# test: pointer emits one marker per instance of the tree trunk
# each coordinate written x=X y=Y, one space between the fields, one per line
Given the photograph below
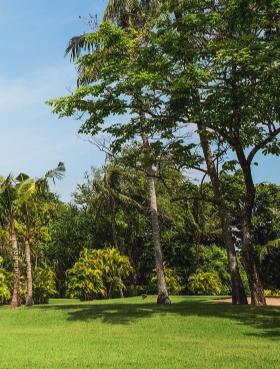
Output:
x=250 y=259
x=163 y=297
x=197 y=240
x=121 y=293
x=237 y=288
x=238 y=294
x=113 y=224
x=251 y=267
x=29 y=292
x=16 y=287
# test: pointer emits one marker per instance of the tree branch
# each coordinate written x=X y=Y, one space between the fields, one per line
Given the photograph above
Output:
x=262 y=144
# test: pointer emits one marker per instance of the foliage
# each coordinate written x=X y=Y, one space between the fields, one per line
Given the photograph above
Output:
x=205 y=68
x=5 y=294
x=173 y=282
x=273 y=293
x=44 y=284
x=136 y=290
x=205 y=283
x=98 y=273
x=214 y=259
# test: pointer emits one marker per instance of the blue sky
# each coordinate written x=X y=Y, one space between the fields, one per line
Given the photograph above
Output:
x=33 y=37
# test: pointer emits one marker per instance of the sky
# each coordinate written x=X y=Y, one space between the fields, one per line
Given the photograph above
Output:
x=33 y=69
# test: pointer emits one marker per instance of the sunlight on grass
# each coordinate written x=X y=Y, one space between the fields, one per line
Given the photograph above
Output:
x=132 y=333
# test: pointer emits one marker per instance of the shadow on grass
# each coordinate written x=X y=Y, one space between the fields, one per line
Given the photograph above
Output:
x=267 y=319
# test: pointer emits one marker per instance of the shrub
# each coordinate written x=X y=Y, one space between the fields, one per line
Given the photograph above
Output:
x=173 y=282
x=214 y=259
x=5 y=293
x=44 y=285
x=207 y=283
x=273 y=293
x=97 y=274
x=136 y=290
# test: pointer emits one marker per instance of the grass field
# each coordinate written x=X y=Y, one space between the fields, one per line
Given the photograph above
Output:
x=194 y=332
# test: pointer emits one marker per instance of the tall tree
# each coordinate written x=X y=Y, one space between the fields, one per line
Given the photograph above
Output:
x=9 y=208
x=236 y=75
x=137 y=14
x=134 y=14
x=31 y=206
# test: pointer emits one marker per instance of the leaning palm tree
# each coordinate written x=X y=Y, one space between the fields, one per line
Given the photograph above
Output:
x=137 y=14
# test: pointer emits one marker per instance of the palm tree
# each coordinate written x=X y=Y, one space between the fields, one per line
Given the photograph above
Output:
x=136 y=14
x=29 y=192
x=124 y=13
x=8 y=206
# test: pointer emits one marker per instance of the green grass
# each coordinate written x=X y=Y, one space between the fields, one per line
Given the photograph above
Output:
x=191 y=333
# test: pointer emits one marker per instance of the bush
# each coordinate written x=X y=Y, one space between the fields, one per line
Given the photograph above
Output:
x=205 y=283
x=44 y=285
x=135 y=290
x=5 y=294
x=98 y=274
x=173 y=282
x=273 y=293
x=214 y=259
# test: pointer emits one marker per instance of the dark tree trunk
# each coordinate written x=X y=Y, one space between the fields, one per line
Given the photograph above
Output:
x=29 y=292
x=163 y=297
x=237 y=288
x=197 y=248
x=113 y=223
x=250 y=258
x=16 y=302
x=250 y=262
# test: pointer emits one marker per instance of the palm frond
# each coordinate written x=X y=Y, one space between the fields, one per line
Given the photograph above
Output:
x=56 y=173
x=22 y=177
x=127 y=13
x=76 y=45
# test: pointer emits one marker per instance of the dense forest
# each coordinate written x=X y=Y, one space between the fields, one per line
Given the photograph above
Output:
x=183 y=97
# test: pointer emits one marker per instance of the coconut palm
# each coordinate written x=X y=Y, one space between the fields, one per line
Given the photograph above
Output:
x=124 y=13
x=135 y=14
x=9 y=209
x=29 y=192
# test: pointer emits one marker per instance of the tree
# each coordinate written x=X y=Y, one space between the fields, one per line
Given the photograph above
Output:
x=31 y=208
x=241 y=66
x=139 y=124
x=8 y=205
x=226 y=68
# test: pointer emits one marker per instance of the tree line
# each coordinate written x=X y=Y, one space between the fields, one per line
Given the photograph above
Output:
x=100 y=245
x=167 y=89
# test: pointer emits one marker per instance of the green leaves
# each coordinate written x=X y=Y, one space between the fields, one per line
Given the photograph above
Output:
x=98 y=273
x=205 y=283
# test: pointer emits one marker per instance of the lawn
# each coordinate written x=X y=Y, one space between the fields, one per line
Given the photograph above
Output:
x=194 y=332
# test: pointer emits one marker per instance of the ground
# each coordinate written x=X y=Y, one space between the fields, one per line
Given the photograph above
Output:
x=192 y=333
x=270 y=301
